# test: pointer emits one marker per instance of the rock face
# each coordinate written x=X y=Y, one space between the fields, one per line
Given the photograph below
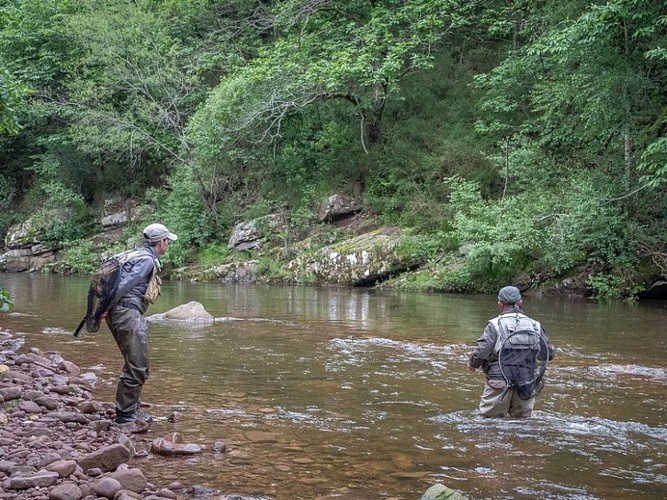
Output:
x=287 y=252
x=337 y=207
x=360 y=261
x=192 y=312
x=363 y=260
x=238 y=272
x=24 y=247
x=118 y=213
x=251 y=234
x=24 y=250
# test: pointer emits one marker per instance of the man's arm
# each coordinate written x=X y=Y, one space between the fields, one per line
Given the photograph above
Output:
x=550 y=347
x=484 y=349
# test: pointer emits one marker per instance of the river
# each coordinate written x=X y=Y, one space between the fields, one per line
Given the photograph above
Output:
x=364 y=394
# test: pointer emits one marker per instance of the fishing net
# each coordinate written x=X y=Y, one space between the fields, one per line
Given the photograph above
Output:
x=523 y=359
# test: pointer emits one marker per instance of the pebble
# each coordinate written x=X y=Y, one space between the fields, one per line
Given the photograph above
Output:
x=58 y=443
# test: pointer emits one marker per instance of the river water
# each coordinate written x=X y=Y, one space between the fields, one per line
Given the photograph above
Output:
x=364 y=394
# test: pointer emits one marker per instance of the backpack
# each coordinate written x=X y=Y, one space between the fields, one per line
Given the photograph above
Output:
x=104 y=285
x=522 y=353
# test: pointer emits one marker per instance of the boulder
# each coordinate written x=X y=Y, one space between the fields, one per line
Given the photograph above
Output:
x=251 y=234
x=106 y=459
x=337 y=207
x=441 y=492
x=130 y=479
x=192 y=312
x=22 y=235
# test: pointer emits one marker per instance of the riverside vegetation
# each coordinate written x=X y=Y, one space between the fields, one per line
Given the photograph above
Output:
x=504 y=140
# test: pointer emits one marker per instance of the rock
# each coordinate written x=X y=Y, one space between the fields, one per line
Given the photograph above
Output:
x=66 y=491
x=90 y=407
x=441 y=492
x=166 y=493
x=251 y=234
x=64 y=468
x=106 y=459
x=360 y=261
x=69 y=367
x=107 y=487
x=65 y=455
x=161 y=446
x=29 y=407
x=9 y=393
x=192 y=312
x=238 y=272
x=89 y=378
x=39 y=479
x=131 y=479
x=50 y=403
x=114 y=220
x=261 y=437
x=118 y=213
x=47 y=459
x=337 y=207
x=66 y=416
x=86 y=490
x=25 y=252
x=17 y=377
x=127 y=495
x=22 y=235
x=107 y=237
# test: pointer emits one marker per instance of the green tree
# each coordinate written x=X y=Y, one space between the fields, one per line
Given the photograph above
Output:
x=581 y=104
x=309 y=108
x=34 y=54
x=590 y=88
x=11 y=94
x=357 y=51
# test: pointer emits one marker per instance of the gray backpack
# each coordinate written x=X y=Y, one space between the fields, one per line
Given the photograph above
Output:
x=522 y=353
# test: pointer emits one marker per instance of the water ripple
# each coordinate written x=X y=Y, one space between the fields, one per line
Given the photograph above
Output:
x=564 y=431
x=642 y=371
x=354 y=352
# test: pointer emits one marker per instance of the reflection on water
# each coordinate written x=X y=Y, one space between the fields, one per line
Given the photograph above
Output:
x=320 y=391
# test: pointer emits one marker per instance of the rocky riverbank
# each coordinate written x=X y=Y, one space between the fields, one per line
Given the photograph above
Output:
x=58 y=443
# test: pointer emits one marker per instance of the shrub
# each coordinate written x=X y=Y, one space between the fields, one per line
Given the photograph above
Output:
x=80 y=257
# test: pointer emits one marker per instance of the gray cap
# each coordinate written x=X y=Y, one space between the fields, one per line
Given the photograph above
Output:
x=509 y=295
x=156 y=232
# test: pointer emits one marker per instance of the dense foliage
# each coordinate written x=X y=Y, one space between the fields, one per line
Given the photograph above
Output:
x=528 y=136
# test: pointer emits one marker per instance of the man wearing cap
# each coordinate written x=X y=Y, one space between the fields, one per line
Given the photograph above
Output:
x=139 y=286
x=497 y=400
